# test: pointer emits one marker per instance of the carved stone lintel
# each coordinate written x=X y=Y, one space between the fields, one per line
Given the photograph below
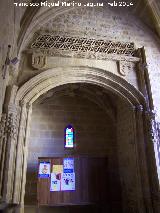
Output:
x=55 y=45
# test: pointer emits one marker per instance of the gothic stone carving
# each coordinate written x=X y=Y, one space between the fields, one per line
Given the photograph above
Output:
x=2 y=125
x=84 y=45
x=55 y=45
x=12 y=125
x=124 y=67
x=9 y=126
x=38 y=60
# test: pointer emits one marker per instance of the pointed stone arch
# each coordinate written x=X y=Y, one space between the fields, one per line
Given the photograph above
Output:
x=20 y=108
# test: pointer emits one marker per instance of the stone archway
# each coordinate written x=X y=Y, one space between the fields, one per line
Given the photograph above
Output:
x=17 y=119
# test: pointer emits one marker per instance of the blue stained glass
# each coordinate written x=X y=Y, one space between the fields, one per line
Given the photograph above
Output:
x=69 y=137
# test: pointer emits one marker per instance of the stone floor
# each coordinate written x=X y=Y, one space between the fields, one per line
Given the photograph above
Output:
x=65 y=209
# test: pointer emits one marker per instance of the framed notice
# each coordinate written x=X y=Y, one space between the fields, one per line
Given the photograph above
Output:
x=44 y=170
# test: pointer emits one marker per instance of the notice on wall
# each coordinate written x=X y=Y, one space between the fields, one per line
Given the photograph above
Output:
x=68 y=181
x=44 y=170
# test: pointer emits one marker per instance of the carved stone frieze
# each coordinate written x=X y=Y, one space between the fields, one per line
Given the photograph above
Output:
x=48 y=45
x=49 y=41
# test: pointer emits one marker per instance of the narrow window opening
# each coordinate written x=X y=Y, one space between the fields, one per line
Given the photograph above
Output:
x=69 y=137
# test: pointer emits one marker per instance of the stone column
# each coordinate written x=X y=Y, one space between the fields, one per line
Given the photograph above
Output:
x=11 y=131
x=20 y=154
x=25 y=155
x=142 y=161
x=2 y=149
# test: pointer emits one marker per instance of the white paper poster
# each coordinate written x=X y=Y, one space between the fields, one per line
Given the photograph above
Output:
x=68 y=165
x=68 y=181
x=55 y=183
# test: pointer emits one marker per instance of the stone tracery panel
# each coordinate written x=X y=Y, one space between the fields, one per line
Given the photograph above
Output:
x=49 y=42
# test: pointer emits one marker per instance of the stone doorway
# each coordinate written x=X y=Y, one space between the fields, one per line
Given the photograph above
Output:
x=132 y=123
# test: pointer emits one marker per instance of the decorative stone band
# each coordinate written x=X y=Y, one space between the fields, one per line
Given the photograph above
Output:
x=83 y=45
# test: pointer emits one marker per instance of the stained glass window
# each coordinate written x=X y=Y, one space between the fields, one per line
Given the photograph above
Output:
x=69 y=137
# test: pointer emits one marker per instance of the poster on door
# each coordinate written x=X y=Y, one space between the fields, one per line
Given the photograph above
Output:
x=68 y=165
x=56 y=175
x=63 y=176
x=44 y=170
x=55 y=183
x=68 y=181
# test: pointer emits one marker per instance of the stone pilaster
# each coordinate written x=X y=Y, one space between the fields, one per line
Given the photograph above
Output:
x=2 y=148
x=142 y=160
x=151 y=143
